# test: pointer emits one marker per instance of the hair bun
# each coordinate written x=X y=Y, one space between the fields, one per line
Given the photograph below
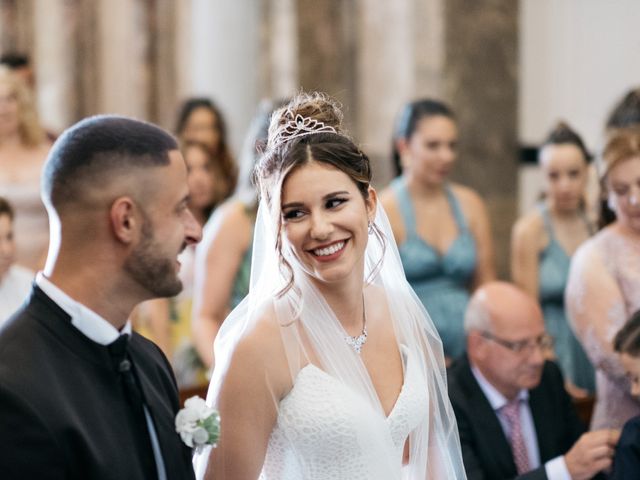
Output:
x=314 y=106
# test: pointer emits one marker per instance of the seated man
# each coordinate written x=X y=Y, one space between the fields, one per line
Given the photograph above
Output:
x=514 y=416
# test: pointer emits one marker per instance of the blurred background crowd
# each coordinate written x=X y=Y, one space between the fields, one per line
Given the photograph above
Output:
x=500 y=131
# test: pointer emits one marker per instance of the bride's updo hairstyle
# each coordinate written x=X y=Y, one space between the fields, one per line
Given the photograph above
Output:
x=307 y=129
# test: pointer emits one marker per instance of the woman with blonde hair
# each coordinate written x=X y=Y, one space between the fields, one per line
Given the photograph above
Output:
x=23 y=149
x=603 y=289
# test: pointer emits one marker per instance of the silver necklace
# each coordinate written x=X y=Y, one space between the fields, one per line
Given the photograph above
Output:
x=358 y=341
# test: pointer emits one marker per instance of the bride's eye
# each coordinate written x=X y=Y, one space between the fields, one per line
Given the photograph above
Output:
x=335 y=202
x=292 y=214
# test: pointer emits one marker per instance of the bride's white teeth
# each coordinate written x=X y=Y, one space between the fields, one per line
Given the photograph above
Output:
x=322 y=252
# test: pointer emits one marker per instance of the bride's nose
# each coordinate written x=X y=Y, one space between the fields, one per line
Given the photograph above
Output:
x=321 y=226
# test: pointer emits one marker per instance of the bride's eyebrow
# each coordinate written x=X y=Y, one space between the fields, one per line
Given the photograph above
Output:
x=292 y=205
x=335 y=194
x=325 y=197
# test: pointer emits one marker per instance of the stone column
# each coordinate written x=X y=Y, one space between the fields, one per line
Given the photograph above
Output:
x=54 y=62
x=123 y=43
x=386 y=77
x=182 y=56
x=279 y=49
x=481 y=83
x=326 y=32
x=16 y=26
x=88 y=78
x=162 y=62
x=225 y=39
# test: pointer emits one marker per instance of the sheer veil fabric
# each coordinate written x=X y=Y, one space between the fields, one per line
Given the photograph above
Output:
x=311 y=333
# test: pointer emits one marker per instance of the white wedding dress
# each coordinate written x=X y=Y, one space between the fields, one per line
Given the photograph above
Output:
x=326 y=422
x=331 y=424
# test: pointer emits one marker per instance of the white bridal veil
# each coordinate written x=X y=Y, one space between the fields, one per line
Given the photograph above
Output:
x=311 y=333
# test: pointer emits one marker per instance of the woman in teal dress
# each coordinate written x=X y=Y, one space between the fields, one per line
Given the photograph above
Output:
x=442 y=228
x=543 y=242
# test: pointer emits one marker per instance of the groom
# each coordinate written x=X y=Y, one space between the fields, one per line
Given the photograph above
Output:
x=81 y=395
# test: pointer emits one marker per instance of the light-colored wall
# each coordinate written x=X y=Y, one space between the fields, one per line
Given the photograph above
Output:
x=225 y=47
x=577 y=58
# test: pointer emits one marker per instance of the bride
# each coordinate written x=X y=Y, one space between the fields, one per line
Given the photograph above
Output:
x=330 y=368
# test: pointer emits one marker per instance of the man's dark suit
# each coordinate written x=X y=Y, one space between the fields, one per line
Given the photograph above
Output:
x=626 y=461
x=63 y=409
x=485 y=449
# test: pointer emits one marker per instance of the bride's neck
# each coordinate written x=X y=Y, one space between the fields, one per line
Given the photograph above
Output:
x=346 y=302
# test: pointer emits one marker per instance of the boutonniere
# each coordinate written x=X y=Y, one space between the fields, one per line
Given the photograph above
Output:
x=198 y=424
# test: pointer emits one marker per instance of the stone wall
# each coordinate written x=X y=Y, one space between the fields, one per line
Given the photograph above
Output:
x=141 y=57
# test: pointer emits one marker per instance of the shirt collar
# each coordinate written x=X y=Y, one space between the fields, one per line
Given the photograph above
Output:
x=496 y=399
x=84 y=319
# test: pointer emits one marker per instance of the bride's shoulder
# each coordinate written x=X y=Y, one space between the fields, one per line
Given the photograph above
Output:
x=259 y=347
x=261 y=333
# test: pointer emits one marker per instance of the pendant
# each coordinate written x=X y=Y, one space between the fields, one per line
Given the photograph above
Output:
x=357 y=342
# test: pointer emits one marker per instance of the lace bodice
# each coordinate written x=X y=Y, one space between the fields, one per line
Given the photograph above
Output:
x=323 y=429
x=602 y=293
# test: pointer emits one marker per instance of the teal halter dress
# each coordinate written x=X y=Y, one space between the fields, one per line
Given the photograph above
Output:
x=552 y=279
x=440 y=281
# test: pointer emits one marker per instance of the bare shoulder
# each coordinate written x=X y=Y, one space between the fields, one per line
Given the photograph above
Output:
x=229 y=222
x=470 y=200
x=389 y=202
x=529 y=225
x=260 y=353
x=232 y=213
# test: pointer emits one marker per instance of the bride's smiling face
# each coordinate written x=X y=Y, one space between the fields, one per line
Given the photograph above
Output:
x=325 y=219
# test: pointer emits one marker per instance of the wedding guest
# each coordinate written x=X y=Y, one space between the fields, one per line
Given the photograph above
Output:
x=81 y=396
x=543 y=242
x=330 y=368
x=603 y=289
x=15 y=281
x=20 y=65
x=515 y=418
x=200 y=120
x=167 y=321
x=626 y=462
x=223 y=265
x=626 y=113
x=23 y=148
x=441 y=228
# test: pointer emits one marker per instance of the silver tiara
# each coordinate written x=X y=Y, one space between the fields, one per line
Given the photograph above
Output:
x=298 y=127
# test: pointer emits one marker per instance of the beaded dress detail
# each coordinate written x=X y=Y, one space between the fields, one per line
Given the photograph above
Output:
x=326 y=422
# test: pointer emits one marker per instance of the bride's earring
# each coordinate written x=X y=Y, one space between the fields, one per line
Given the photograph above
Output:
x=370 y=227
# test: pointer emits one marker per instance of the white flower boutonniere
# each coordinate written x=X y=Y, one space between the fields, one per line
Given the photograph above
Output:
x=198 y=424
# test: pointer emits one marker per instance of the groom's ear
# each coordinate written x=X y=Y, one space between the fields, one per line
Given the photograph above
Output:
x=124 y=221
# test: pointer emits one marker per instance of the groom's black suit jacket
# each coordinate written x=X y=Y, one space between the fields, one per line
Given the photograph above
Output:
x=63 y=409
x=485 y=450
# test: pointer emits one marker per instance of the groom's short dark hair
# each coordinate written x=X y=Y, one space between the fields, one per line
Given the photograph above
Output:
x=92 y=150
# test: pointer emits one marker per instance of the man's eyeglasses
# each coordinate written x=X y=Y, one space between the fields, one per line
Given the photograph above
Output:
x=544 y=342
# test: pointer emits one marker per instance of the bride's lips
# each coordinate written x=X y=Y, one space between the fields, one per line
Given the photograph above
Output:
x=329 y=252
